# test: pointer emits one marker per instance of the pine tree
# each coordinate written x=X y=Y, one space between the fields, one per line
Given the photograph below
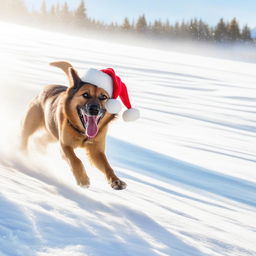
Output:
x=157 y=27
x=167 y=28
x=65 y=14
x=21 y=7
x=193 y=28
x=133 y=25
x=53 y=11
x=43 y=8
x=184 y=29
x=80 y=17
x=177 y=29
x=141 y=25
x=204 y=32
x=52 y=15
x=246 y=34
x=13 y=9
x=221 y=31
x=113 y=26
x=57 y=9
x=126 y=24
x=233 y=30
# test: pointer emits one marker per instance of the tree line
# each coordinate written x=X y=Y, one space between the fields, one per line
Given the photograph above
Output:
x=61 y=16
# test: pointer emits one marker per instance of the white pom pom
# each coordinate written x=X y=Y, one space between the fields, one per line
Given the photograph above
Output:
x=131 y=114
x=113 y=106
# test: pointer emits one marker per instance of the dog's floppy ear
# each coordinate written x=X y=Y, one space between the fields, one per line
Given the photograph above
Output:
x=63 y=65
x=74 y=79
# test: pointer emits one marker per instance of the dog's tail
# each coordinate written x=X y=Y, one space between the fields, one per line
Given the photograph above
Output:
x=63 y=65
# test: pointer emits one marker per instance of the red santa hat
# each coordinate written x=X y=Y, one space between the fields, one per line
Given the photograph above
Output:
x=110 y=82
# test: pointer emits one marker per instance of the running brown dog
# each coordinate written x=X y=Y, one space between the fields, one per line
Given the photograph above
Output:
x=69 y=115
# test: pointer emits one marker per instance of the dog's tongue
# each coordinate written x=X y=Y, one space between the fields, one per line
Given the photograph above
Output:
x=92 y=127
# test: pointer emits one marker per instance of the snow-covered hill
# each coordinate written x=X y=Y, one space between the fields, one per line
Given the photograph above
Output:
x=190 y=161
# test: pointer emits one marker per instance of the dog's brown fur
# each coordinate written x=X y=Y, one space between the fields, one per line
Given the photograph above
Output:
x=54 y=110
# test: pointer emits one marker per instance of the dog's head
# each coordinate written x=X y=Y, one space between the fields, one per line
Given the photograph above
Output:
x=85 y=104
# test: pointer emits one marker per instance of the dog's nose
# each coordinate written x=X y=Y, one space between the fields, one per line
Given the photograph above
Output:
x=94 y=109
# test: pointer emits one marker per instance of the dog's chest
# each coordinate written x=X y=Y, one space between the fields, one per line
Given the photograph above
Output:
x=88 y=141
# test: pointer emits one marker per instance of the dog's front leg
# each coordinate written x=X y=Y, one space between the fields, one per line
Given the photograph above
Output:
x=76 y=166
x=99 y=159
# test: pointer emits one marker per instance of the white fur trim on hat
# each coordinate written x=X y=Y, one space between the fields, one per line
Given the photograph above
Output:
x=113 y=106
x=131 y=114
x=100 y=79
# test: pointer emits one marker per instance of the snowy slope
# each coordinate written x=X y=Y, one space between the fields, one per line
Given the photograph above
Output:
x=190 y=161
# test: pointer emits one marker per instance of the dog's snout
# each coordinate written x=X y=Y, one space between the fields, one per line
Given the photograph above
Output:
x=94 y=109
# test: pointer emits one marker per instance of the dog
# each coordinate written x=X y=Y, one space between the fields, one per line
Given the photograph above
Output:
x=73 y=116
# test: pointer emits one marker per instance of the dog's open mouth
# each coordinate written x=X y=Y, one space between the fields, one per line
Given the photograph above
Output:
x=90 y=122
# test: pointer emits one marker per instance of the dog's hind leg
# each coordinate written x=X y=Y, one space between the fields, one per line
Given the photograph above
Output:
x=76 y=166
x=43 y=140
x=34 y=119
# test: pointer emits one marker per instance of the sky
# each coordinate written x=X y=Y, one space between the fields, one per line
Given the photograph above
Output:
x=209 y=10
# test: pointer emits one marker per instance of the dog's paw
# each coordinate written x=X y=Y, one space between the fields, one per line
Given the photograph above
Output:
x=23 y=150
x=83 y=182
x=118 y=185
x=84 y=185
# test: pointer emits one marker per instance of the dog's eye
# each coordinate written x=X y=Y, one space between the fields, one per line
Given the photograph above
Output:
x=103 y=97
x=86 y=95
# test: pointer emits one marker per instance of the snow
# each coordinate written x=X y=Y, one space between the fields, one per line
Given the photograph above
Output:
x=189 y=162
